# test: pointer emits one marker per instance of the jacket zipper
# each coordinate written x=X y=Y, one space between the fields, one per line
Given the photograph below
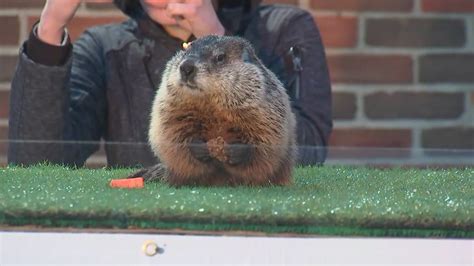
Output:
x=295 y=54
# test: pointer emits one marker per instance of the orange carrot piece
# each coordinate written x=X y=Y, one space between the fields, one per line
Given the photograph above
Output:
x=127 y=183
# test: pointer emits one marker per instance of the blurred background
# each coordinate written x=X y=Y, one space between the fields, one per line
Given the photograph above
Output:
x=402 y=74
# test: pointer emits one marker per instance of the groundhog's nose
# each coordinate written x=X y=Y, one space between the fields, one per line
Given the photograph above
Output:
x=188 y=70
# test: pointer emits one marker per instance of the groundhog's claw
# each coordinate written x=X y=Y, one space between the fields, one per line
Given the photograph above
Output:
x=153 y=173
x=238 y=153
x=198 y=149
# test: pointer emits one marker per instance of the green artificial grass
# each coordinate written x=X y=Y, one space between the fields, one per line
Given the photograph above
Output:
x=329 y=200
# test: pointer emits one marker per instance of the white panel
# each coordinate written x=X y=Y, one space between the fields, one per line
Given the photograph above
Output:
x=1 y=248
x=126 y=249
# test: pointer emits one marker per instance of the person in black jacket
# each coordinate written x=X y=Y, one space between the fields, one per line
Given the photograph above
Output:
x=65 y=98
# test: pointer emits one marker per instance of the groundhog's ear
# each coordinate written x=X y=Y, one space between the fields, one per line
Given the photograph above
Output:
x=248 y=56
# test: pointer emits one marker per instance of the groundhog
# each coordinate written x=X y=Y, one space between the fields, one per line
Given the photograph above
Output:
x=220 y=117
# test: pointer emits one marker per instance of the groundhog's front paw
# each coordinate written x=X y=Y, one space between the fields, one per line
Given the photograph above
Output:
x=198 y=149
x=238 y=153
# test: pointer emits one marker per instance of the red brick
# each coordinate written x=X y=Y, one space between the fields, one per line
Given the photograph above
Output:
x=363 y=5
x=101 y=5
x=4 y=104
x=21 y=4
x=452 y=68
x=79 y=24
x=364 y=68
x=9 y=30
x=415 y=32
x=363 y=142
x=343 y=105
x=365 y=137
x=414 y=105
x=3 y=132
x=7 y=67
x=3 y=141
x=446 y=141
x=338 y=31
x=454 y=6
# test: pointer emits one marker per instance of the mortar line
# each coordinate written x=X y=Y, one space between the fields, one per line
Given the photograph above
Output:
x=416 y=88
x=416 y=149
x=417 y=8
x=374 y=14
x=361 y=32
x=466 y=115
x=395 y=15
x=469 y=32
x=470 y=111
x=305 y=4
x=9 y=50
x=399 y=50
x=424 y=160
x=82 y=7
x=79 y=13
x=5 y=86
x=359 y=114
x=399 y=123
x=23 y=28
x=416 y=69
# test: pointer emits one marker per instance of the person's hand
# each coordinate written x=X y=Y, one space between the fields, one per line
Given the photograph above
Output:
x=54 y=18
x=197 y=16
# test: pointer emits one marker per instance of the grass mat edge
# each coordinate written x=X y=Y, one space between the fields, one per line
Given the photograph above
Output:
x=226 y=227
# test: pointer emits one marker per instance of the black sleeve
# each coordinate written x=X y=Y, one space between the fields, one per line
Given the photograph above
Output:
x=310 y=87
x=47 y=54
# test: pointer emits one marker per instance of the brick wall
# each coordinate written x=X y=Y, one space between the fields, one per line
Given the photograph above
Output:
x=402 y=72
x=403 y=77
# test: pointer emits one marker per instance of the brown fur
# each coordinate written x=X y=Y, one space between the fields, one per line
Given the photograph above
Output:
x=235 y=113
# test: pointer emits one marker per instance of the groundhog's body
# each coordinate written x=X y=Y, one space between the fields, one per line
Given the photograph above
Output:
x=221 y=118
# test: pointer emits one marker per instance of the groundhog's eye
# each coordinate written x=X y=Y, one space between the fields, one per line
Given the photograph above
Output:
x=219 y=58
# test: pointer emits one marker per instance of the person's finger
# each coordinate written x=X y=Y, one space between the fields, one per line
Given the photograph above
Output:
x=96 y=1
x=195 y=2
x=185 y=24
x=182 y=11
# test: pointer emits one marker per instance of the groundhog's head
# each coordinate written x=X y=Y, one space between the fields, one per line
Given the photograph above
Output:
x=223 y=69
